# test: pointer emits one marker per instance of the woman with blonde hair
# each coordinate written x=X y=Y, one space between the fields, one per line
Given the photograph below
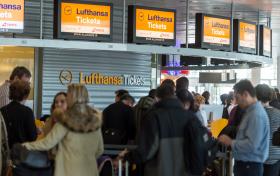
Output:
x=199 y=100
x=77 y=134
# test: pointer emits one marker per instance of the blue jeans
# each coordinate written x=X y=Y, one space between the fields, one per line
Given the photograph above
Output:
x=242 y=168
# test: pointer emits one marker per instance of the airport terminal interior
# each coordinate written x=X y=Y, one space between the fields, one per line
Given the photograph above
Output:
x=139 y=87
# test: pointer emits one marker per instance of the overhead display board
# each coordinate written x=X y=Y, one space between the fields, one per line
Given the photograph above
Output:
x=75 y=19
x=151 y=25
x=213 y=32
x=245 y=36
x=265 y=41
x=12 y=16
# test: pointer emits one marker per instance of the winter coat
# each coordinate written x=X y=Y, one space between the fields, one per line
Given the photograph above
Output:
x=160 y=146
x=79 y=141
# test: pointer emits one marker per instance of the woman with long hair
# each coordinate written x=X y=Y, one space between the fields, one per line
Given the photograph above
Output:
x=77 y=134
x=60 y=102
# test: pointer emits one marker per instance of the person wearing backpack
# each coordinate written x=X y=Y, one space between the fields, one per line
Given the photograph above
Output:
x=251 y=146
x=161 y=140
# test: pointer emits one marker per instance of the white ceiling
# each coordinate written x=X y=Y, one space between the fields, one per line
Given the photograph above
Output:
x=243 y=9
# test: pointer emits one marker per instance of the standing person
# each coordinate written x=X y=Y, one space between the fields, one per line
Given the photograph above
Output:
x=251 y=146
x=77 y=134
x=59 y=101
x=118 y=118
x=160 y=146
x=19 y=73
x=199 y=112
x=128 y=100
x=169 y=82
x=277 y=93
x=186 y=99
x=272 y=164
x=206 y=95
x=19 y=119
x=182 y=83
x=142 y=108
x=274 y=101
x=119 y=93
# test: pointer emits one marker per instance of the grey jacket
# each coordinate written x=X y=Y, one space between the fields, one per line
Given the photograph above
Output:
x=160 y=146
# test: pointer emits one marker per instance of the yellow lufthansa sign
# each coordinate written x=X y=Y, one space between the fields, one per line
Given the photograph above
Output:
x=66 y=78
x=100 y=79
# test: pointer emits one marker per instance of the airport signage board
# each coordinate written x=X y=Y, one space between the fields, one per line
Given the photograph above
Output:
x=213 y=32
x=95 y=78
x=149 y=25
x=75 y=19
x=265 y=41
x=245 y=36
x=12 y=16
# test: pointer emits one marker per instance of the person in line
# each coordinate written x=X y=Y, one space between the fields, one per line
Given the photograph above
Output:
x=152 y=93
x=251 y=146
x=19 y=119
x=223 y=99
x=119 y=93
x=186 y=99
x=272 y=164
x=142 y=108
x=182 y=83
x=128 y=100
x=77 y=134
x=277 y=93
x=161 y=139
x=206 y=95
x=19 y=73
x=59 y=101
x=119 y=117
x=169 y=82
x=274 y=102
x=199 y=112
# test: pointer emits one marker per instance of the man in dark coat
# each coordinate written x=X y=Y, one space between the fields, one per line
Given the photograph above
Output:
x=160 y=146
x=119 y=118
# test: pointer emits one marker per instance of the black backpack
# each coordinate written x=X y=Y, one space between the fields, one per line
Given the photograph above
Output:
x=200 y=147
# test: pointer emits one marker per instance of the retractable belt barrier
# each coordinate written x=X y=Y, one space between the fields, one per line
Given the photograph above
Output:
x=224 y=155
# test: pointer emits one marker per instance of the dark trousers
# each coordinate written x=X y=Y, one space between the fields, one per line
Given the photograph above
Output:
x=272 y=169
x=248 y=169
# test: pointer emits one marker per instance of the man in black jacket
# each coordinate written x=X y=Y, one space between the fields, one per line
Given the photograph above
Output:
x=160 y=146
x=119 y=118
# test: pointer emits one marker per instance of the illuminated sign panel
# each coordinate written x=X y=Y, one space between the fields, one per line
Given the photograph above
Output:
x=216 y=30
x=12 y=16
x=265 y=41
x=83 y=20
x=213 y=32
x=245 y=36
x=151 y=25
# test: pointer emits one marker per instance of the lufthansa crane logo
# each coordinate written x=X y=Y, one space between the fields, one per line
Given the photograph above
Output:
x=65 y=77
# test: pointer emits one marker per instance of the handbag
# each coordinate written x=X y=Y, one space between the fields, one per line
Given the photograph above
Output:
x=32 y=159
x=276 y=138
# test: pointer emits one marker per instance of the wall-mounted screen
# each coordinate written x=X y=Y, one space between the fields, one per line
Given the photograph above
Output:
x=213 y=32
x=12 y=16
x=265 y=41
x=75 y=19
x=151 y=25
x=245 y=36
